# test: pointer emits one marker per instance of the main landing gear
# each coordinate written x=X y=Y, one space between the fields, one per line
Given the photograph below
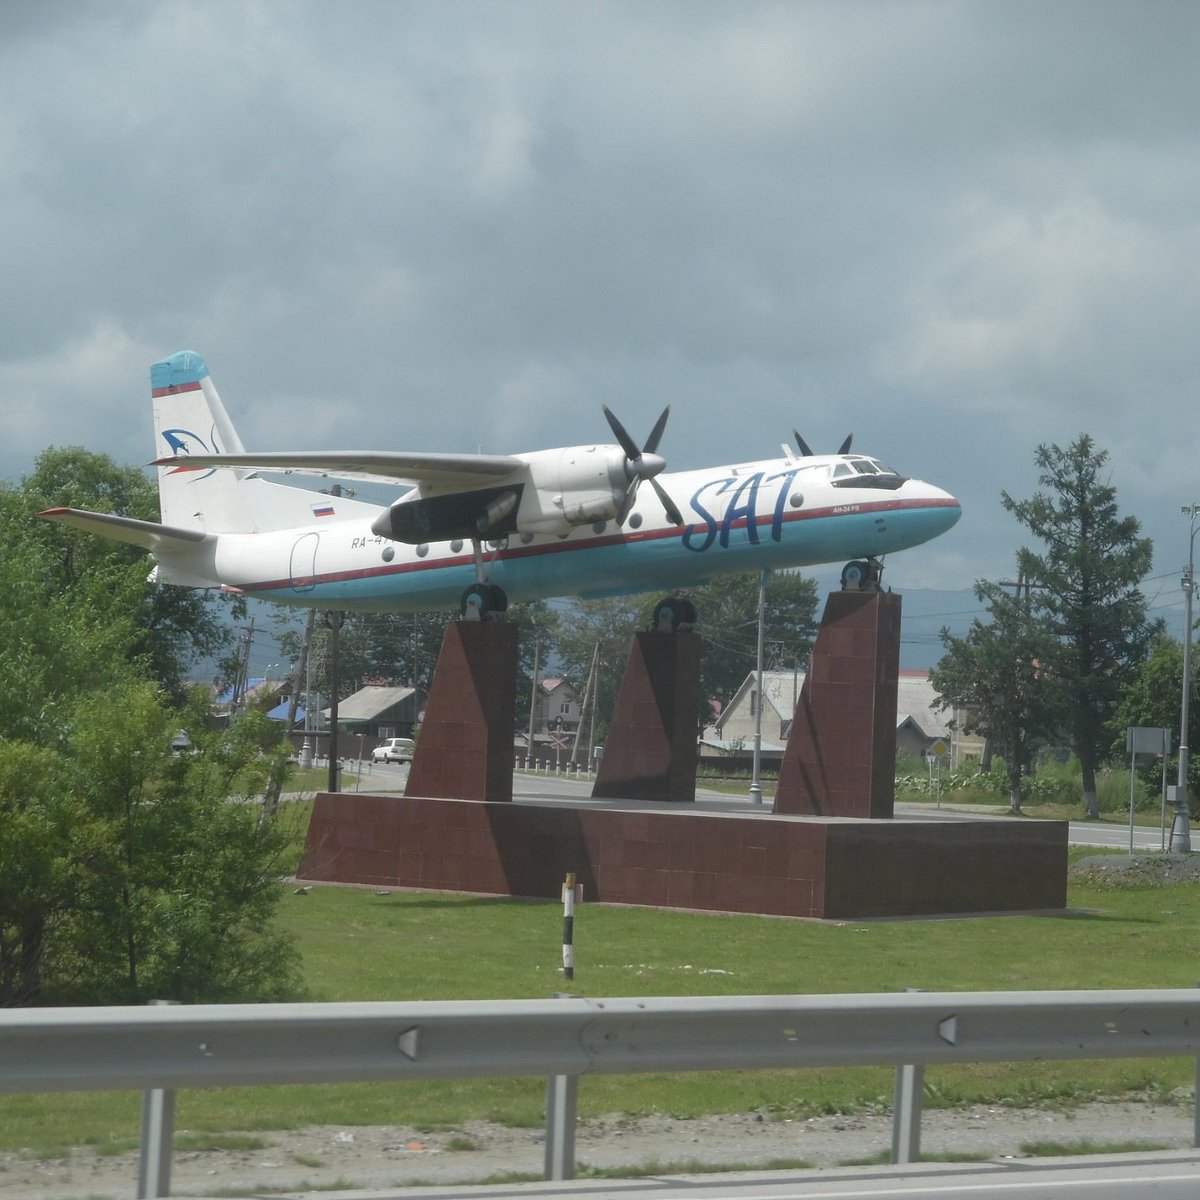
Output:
x=862 y=575
x=674 y=614
x=482 y=601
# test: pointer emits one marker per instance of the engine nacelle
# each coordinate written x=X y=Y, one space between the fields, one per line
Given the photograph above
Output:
x=577 y=485
x=557 y=491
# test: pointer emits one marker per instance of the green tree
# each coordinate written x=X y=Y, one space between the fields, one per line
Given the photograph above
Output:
x=1152 y=700
x=727 y=610
x=38 y=818
x=132 y=873
x=124 y=872
x=175 y=874
x=1085 y=587
x=173 y=626
x=603 y=628
x=539 y=626
x=997 y=674
x=58 y=642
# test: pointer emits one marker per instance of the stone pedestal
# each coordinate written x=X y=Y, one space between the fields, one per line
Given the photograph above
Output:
x=650 y=751
x=465 y=748
x=678 y=857
x=840 y=759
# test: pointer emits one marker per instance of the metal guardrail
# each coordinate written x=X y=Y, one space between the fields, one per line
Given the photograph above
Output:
x=163 y=1048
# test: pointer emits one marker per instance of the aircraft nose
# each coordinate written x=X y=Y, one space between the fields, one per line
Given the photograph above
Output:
x=944 y=504
x=933 y=510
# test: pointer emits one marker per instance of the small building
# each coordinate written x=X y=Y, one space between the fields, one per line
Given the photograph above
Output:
x=378 y=712
x=919 y=724
x=256 y=693
x=556 y=707
x=732 y=734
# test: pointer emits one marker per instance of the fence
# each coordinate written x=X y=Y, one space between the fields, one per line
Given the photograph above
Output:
x=163 y=1048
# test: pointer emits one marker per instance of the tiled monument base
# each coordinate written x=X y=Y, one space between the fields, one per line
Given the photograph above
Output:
x=787 y=866
x=650 y=751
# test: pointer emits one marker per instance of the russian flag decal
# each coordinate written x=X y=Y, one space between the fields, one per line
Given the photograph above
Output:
x=322 y=510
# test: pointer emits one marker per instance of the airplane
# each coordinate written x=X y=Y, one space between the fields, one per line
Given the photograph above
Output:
x=473 y=530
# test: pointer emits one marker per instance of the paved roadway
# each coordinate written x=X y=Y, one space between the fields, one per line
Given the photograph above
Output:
x=391 y=777
x=1169 y=1175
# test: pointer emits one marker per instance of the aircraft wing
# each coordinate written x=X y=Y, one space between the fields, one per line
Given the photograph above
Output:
x=147 y=534
x=375 y=466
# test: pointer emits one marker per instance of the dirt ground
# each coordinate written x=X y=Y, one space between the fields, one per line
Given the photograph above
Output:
x=386 y=1156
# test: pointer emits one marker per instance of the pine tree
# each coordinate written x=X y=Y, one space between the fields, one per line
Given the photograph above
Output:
x=997 y=674
x=1086 y=588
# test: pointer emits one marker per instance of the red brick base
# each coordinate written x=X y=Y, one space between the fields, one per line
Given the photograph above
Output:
x=789 y=866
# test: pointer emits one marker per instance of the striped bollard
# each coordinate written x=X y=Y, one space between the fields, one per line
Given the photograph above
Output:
x=569 y=898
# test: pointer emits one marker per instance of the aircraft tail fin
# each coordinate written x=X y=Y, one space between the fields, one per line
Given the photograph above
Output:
x=189 y=418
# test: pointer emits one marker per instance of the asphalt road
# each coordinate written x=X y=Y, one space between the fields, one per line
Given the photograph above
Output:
x=1171 y=1175
x=548 y=788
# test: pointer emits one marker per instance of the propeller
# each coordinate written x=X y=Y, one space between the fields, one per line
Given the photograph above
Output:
x=642 y=463
x=806 y=451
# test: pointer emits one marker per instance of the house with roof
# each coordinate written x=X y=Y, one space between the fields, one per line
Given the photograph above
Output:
x=378 y=712
x=557 y=709
x=732 y=734
x=919 y=724
x=261 y=693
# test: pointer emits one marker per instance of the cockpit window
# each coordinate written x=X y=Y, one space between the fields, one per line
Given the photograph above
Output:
x=842 y=471
x=870 y=466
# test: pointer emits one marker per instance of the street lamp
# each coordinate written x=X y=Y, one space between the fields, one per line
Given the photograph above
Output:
x=1181 y=840
x=756 y=771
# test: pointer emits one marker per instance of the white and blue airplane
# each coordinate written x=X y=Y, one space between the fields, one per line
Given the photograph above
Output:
x=473 y=530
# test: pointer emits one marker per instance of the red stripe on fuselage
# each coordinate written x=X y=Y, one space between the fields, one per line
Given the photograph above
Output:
x=559 y=547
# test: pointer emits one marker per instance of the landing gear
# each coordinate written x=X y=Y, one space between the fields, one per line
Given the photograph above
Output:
x=675 y=614
x=483 y=602
x=862 y=575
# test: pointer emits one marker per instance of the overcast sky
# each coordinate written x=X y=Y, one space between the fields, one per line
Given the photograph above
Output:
x=957 y=229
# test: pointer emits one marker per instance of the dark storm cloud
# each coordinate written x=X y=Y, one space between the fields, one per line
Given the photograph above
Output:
x=957 y=228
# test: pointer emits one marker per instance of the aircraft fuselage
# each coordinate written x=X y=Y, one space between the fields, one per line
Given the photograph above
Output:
x=771 y=514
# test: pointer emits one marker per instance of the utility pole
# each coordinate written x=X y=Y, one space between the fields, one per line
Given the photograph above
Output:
x=1181 y=838
x=533 y=698
x=756 y=778
x=275 y=784
x=237 y=702
x=588 y=692
x=335 y=626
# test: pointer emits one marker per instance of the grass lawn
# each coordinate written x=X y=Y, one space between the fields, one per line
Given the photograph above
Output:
x=360 y=945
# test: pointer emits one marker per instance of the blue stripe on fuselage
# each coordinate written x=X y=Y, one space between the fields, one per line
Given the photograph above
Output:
x=630 y=561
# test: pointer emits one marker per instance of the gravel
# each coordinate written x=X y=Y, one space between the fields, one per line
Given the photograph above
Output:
x=398 y=1156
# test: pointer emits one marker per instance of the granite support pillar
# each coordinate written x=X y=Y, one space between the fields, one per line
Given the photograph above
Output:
x=650 y=751
x=465 y=747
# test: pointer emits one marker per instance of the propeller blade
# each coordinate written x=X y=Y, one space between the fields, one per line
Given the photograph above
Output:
x=643 y=464
x=669 y=507
x=627 y=503
x=622 y=435
x=805 y=449
x=657 y=432
x=844 y=448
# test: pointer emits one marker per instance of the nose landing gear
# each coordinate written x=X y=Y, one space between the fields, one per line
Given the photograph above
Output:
x=862 y=575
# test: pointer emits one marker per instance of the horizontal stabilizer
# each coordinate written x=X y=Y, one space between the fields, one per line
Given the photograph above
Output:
x=369 y=465
x=147 y=534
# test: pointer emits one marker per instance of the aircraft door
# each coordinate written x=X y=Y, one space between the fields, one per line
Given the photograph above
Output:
x=303 y=566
